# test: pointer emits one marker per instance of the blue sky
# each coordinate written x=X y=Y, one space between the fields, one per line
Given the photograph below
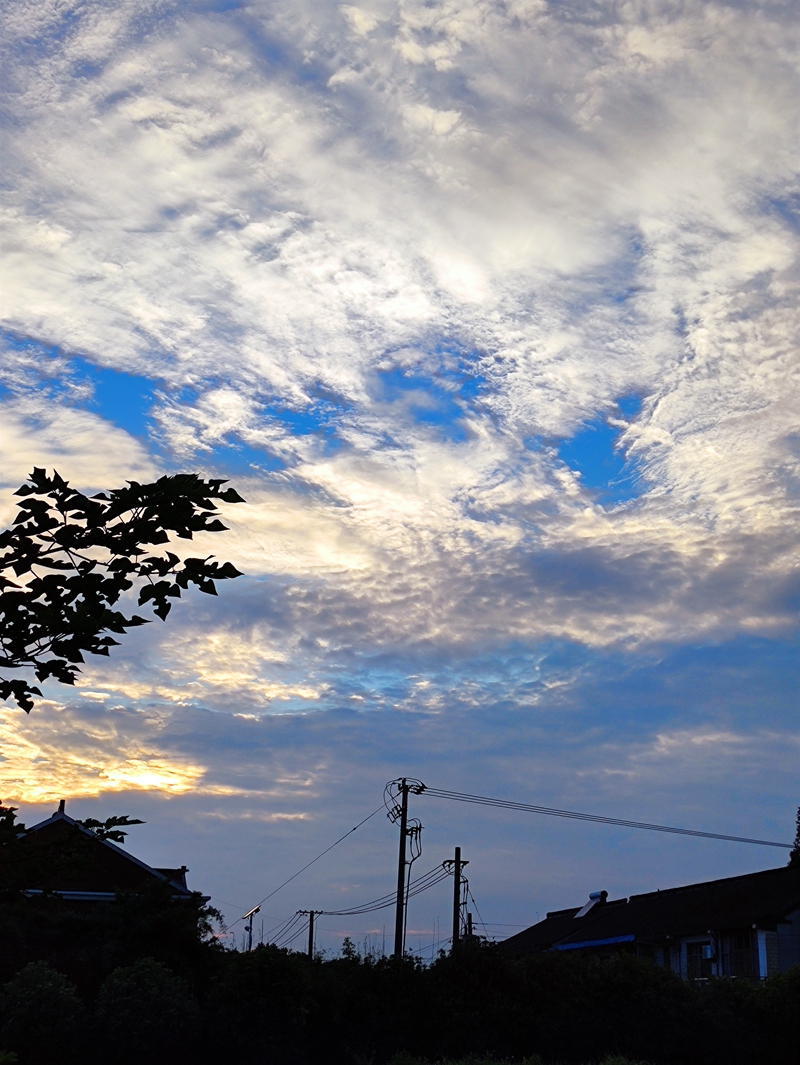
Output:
x=489 y=311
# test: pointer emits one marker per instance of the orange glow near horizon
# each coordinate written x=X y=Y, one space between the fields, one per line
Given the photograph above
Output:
x=50 y=757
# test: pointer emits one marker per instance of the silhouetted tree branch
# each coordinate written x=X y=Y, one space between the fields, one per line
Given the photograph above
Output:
x=794 y=853
x=73 y=556
x=111 y=828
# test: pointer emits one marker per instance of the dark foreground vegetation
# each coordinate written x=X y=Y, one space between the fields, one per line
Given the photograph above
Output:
x=143 y=980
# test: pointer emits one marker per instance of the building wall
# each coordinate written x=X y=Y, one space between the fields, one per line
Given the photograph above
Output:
x=696 y=964
x=788 y=943
x=771 y=939
x=747 y=953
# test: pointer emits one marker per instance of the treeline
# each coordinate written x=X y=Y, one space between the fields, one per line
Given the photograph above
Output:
x=143 y=980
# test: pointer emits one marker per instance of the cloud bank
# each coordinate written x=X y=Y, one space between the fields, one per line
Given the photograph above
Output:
x=400 y=252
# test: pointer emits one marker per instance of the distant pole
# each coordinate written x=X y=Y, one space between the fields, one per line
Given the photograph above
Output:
x=469 y=925
x=401 y=872
x=457 y=897
x=310 y=935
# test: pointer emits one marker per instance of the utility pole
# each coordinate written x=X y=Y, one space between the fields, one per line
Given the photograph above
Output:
x=458 y=865
x=399 y=924
x=311 y=914
x=397 y=791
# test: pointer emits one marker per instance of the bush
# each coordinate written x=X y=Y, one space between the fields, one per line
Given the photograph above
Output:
x=146 y=1013
x=42 y=1016
x=258 y=1007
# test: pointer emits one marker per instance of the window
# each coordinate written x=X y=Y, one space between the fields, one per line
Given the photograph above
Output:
x=699 y=960
x=740 y=954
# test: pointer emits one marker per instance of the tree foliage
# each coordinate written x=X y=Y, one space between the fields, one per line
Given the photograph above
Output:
x=68 y=559
x=111 y=828
x=155 y=986
x=10 y=828
x=794 y=854
x=35 y=993
x=145 y=1012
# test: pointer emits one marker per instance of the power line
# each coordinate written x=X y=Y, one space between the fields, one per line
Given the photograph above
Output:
x=427 y=880
x=288 y=930
x=309 y=864
x=291 y=934
x=273 y=936
x=280 y=925
x=508 y=804
x=421 y=950
x=474 y=903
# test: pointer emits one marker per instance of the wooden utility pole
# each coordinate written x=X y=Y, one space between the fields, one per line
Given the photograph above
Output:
x=310 y=935
x=399 y=922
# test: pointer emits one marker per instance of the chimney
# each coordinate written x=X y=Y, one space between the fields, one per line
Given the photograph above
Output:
x=61 y=806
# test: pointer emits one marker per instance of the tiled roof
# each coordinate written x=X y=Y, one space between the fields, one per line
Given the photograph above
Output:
x=763 y=899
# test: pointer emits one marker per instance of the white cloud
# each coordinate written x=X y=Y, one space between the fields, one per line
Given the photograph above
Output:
x=581 y=207
x=361 y=22
x=82 y=446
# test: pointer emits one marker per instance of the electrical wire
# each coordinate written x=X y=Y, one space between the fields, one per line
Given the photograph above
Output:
x=289 y=930
x=474 y=903
x=287 y=941
x=507 y=804
x=274 y=936
x=309 y=864
x=414 y=837
x=421 y=950
x=236 y=906
x=423 y=883
x=301 y=931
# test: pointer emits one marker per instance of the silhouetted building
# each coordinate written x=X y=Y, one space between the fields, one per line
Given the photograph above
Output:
x=61 y=857
x=743 y=926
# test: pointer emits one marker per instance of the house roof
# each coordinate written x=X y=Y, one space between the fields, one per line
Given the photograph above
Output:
x=764 y=899
x=60 y=855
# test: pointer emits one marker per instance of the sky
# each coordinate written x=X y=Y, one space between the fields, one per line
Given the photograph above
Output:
x=488 y=308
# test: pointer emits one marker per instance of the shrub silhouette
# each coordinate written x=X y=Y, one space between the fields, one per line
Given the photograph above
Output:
x=42 y=1016
x=145 y=1012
